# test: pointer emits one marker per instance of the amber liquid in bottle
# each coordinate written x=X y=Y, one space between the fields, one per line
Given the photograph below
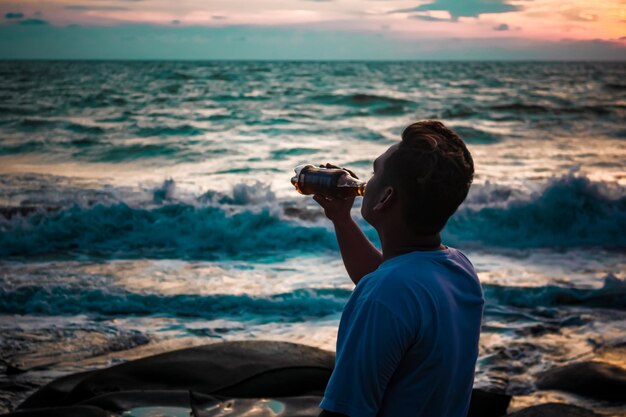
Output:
x=329 y=182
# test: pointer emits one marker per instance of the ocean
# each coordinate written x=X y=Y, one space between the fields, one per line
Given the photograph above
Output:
x=147 y=205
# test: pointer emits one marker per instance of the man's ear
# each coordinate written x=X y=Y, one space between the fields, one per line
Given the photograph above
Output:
x=386 y=198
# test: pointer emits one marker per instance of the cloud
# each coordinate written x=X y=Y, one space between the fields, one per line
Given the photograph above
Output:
x=464 y=8
x=33 y=22
x=81 y=7
x=578 y=15
x=14 y=15
x=428 y=18
x=502 y=27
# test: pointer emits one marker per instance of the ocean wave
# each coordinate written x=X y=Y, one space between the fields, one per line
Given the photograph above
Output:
x=32 y=124
x=458 y=111
x=298 y=305
x=572 y=109
x=520 y=108
x=250 y=221
x=22 y=148
x=517 y=111
x=473 y=135
x=176 y=230
x=611 y=295
x=93 y=150
x=136 y=151
x=615 y=86
x=280 y=154
x=361 y=100
x=571 y=211
x=181 y=130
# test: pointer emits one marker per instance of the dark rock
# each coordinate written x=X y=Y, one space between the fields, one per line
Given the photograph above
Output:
x=239 y=369
x=55 y=393
x=589 y=379
x=77 y=411
x=242 y=369
x=227 y=370
x=488 y=404
x=119 y=402
x=554 y=410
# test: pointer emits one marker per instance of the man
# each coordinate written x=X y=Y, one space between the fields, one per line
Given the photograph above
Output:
x=408 y=336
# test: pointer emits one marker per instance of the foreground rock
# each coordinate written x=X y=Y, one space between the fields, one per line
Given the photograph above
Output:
x=243 y=377
x=488 y=404
x=554 y=410
x=249 y=369
x=589 y=379
x=78 y=411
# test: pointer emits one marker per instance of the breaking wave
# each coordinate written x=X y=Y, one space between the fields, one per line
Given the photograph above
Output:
x=571 y=211
x=298 y=305
x=250 y=222
x=176 y=230
x=611 y=295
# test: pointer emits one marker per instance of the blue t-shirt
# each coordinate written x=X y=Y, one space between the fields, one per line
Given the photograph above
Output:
x=408 y=339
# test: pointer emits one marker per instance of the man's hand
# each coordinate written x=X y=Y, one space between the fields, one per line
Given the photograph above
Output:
x=336 y=209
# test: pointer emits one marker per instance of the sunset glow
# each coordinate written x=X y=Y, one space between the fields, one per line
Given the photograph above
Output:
x=525 y=25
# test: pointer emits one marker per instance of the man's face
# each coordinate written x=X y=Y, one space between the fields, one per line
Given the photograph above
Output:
x=375 y=189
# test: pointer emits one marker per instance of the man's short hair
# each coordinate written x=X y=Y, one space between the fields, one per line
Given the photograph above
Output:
x=432 y=171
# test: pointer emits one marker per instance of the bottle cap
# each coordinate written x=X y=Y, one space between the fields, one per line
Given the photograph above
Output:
x=298 y=170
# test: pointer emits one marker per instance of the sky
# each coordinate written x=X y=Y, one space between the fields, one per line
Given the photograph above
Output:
x=314 y=29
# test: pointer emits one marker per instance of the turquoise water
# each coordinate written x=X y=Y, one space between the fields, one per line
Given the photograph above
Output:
x=144 y=203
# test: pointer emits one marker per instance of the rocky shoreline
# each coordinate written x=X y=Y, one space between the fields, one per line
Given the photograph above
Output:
x=249 y=375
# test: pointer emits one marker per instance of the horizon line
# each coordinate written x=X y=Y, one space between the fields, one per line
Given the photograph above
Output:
x=538 y=60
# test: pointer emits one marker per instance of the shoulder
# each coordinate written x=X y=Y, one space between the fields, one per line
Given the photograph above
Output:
x=387 y=284
x=402 y=291
x=466 y=265
x=461 y=256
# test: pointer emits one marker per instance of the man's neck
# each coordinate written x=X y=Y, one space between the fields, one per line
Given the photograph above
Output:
x=398 y=244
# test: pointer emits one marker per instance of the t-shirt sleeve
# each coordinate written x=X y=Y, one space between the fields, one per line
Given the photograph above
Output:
x=374 y=343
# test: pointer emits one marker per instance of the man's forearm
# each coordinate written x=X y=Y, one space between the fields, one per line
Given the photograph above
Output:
x=359 y=255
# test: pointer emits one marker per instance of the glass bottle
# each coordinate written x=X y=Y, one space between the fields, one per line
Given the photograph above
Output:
x=329 y=182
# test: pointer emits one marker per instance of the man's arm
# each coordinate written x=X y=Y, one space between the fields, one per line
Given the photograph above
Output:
x=359 y=255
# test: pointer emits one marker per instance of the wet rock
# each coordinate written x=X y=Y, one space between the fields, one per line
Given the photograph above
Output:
x=554 y=410
x=78 y=411
x=488 y=403
x=241 y=369
x=589 y=379
x=249 y=369
x=55 y=394
x=119 y=402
